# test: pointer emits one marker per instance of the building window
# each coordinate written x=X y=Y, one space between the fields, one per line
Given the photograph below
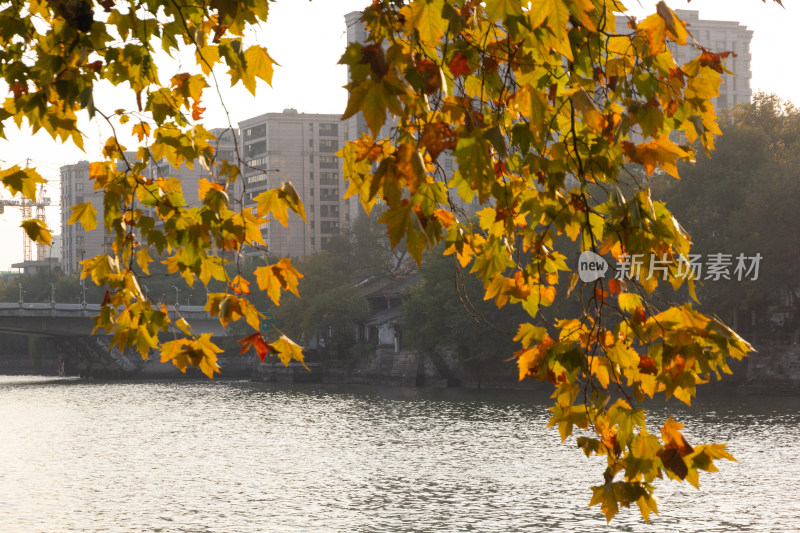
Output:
x=329 y=194
x=256 y=148
x=259 y=163
x=329 y=227
x=329 y=130
x=328 y=161
x=255 y=132
x=257 y=178
x=329 y=211
x=328 y=145
x=79 y=186
x=328 y=178
x=225 y=155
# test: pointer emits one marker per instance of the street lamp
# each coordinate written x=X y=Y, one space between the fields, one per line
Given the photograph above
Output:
x=177 y=291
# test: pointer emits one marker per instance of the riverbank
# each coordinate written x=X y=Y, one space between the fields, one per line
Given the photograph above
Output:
x=770 y=370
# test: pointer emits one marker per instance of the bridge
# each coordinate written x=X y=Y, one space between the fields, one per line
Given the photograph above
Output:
x=70 y=326
x=71 y=320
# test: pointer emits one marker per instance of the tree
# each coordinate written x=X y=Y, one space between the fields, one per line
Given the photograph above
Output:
x=332 y=304
x=543 y=108
x=538 y=103
x=723 y=203
x=446 y=311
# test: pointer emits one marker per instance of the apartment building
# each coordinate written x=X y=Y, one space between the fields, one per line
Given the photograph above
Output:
x=300 y=148
x=76 y=187
x=78 y=244
x=717 y=36
x=225 y=147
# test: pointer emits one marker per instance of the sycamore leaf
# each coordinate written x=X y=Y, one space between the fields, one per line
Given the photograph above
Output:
x=259 y=64
x=184 y=326
x=141 y=130
x=174 y=351
x=286 y=350
x=143 y=259
x=426 y=18
x=278 y=202
x=37 y=231
x=500 y=9
x=276 y=277
x=257 y=342
x=86 y=214
x=22 y=181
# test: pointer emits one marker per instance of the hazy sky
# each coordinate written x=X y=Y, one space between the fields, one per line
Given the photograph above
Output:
x=307 y=39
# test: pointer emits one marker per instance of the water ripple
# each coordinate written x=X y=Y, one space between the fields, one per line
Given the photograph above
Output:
x=243 y=457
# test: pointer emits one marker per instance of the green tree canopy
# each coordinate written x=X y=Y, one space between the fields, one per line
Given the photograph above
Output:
x=446 y=312
x=743 y=200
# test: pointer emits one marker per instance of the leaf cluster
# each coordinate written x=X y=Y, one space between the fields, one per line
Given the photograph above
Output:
x=556 y=121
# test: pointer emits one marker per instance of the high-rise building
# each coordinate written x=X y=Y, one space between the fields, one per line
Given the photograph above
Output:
x=299 y=148
x=76 y=187
x=357 y=124
x=717 y=36
x=78 y=244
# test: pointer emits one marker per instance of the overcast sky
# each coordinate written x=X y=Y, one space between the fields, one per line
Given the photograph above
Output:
x=307 y=39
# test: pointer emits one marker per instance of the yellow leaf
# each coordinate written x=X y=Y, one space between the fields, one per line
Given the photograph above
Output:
x=425 y=16
x=500 y=9
x=22 y=181
x=143 y=259
x=276 y=277
x=286 y=350
x=37 y=231
x=184 y=326
x=174 y=351
x=675 y=27
x=600 y=367
x=141 y=130
x=259 y=64
x=86 y=214
x=203 y=354
x=656 y=28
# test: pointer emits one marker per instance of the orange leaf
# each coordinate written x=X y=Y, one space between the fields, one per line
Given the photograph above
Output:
x=613 y=286
x=459 y=65
x=197 y=111
x=256 y=340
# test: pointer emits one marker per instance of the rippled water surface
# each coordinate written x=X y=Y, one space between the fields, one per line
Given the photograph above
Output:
x=243 y=457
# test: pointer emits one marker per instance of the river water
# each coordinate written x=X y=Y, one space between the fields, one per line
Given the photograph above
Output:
x=227 y=456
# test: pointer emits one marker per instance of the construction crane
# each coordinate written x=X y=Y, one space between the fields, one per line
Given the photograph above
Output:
x=27 y=206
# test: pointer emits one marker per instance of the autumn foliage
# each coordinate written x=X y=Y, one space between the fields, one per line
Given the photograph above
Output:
x=545 y=108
